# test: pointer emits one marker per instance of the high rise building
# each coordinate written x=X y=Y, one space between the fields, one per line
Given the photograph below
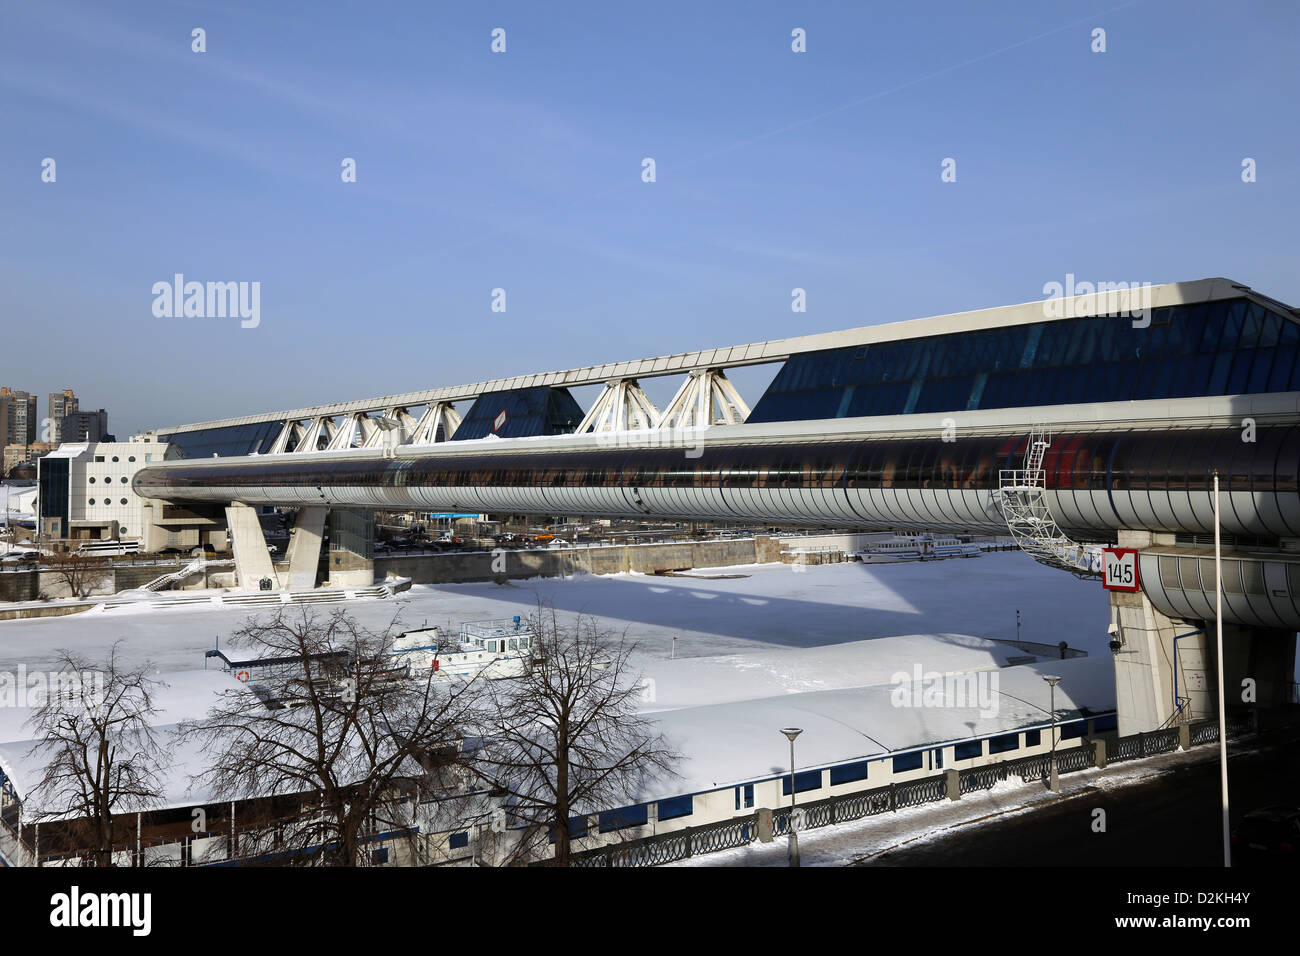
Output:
x=17 y=417
x=85 y=427
x=61 y=404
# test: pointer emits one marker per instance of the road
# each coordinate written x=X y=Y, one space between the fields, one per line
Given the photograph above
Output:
x=1173 y=820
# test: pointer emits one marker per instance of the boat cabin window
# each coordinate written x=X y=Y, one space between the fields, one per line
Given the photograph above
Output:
x=514 y=644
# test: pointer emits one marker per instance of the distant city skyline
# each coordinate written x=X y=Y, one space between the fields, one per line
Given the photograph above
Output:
x=825 y=170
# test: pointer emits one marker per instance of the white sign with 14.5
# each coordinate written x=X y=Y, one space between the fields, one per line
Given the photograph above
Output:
x=1120 y=569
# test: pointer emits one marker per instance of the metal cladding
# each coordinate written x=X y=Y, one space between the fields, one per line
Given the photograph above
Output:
x=1259 y=590
x=1097 y=481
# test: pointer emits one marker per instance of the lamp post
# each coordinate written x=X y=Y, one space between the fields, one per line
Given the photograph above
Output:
x=1053 y=784
x=791 y=733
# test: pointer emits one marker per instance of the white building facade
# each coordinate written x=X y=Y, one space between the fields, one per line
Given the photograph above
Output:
x=85 y=491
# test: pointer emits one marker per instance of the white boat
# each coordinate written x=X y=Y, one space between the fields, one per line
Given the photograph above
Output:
x=915 y=547
x=490 y=649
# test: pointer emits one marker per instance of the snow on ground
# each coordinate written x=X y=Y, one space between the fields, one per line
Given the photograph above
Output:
x=761 y=648
x=748 y=622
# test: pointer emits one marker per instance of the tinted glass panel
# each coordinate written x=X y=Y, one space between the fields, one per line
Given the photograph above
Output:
x=1048 y=363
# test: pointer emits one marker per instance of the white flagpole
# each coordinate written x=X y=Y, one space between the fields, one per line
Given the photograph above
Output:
x=1223 y=720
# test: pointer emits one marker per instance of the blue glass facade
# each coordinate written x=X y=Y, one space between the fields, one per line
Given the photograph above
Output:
x=1229 y=347
x=251 y=439
x=528 y=411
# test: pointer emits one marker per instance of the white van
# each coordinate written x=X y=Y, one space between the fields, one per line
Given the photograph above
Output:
x=107 y=549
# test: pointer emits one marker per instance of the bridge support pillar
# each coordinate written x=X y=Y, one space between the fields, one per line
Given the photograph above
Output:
x=304 y=547
x=252 y=560
x=1166 y=670
x=352 y=547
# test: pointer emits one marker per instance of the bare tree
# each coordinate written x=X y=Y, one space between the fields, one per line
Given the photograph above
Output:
x=81 y=575
x=99 y=750
x=341 y=728
x=567 y=738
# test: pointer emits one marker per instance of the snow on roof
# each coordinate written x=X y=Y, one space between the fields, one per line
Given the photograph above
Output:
x=181 y=695
x=730 y=743
x=766 y=670
x=69 y=450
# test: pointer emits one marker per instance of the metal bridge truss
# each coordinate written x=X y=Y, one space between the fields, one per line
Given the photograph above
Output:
x=1022 y=499
x=622 y=406
x=387 y=429
x=707 y=397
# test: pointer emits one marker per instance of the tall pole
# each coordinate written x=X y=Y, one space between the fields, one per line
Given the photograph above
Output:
x=791 y=733
x=1052 y=704
x=794 y=837
x=1053 y=781
x=1223 y=719
x=792 y=782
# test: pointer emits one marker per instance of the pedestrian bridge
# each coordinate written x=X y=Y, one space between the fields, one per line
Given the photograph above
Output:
x=913 y=425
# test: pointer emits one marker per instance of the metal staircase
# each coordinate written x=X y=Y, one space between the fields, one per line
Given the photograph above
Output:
x=175 y=577
x=1022 y=499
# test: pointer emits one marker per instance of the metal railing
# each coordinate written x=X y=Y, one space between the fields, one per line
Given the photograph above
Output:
x=743 y=830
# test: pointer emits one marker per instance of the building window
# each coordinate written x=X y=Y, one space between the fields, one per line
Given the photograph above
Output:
x=745 y=797
x=848 y=773
x=968 y=750
x=612 y=820
x=676 y=807
x=458 y=841
x=577 y=829
x=904 y=762
x=804 y=780
x=1073 y=729
x=1000 y=745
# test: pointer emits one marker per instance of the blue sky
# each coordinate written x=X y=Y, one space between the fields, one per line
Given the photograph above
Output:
x=522 y=171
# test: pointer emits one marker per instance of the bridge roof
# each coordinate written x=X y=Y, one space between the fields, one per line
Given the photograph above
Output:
x=756 y=353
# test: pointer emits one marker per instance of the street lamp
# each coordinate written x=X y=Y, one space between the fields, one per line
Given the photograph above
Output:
x=1053 y=783
x=791 y=733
